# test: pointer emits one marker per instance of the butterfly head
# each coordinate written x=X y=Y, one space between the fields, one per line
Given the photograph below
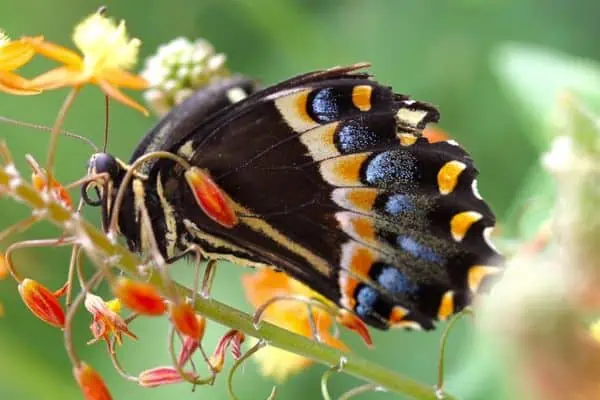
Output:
x=106 y=173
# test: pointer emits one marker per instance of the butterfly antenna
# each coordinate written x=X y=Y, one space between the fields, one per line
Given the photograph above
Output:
x=106 y=121
x=49 y=129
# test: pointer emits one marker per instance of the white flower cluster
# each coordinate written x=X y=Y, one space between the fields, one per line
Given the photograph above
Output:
x=177 y=69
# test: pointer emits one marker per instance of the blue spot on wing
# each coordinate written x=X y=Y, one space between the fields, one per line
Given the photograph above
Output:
x=418 y=250
x=394 y=281
x=394 y=167
x=398 y=204
x=353 y=137
x=365 y=301
x=325 y=106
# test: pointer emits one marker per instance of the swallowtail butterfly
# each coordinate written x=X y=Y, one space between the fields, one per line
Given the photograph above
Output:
x=330 y=181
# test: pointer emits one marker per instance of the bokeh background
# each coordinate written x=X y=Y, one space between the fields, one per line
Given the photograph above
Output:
x=494 y=68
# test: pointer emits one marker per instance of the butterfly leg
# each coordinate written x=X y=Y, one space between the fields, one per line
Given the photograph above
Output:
x=310 y=303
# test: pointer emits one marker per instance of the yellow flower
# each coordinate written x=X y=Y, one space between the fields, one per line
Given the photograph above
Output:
x=13 y=55
x=291 y=315
x=107 y=54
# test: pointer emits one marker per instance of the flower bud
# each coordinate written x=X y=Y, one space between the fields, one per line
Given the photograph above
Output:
x=160 y=376
x=234 y=339
x=91 y=383
x=42 y=303
x=186 y=321
x=140 y=297
x=190 y=345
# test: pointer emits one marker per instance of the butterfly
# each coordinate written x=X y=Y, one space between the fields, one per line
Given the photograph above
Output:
x=326 y=177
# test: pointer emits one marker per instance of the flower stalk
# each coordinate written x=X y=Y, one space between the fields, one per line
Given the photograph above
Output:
x=96 y=243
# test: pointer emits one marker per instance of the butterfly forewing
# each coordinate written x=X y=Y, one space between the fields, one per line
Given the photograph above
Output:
x=333 y=183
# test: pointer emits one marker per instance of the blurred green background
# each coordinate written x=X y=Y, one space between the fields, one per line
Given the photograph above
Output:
x=463 y=55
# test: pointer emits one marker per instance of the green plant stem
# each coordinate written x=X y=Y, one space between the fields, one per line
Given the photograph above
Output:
x=95 y=241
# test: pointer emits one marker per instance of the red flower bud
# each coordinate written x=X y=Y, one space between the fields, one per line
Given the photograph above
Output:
x=140 y=297
x=42 y=303
x=91 y=383
x=211 y=199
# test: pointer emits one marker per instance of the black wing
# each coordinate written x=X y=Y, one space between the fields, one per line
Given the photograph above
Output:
x=334 y=184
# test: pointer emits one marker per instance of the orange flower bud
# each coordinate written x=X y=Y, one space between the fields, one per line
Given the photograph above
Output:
x=141 y=297
x=91 y=383
x=42 y=303
x=3 y=267
x=186 y=321
x=211 y=199
x=40 y=184
x=352 y=322
x=160 y=376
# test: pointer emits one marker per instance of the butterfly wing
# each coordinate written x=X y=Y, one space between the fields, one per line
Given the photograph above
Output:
x=333 y=183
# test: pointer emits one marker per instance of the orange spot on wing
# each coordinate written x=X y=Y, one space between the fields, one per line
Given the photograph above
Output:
x=448 y=176
x=446 y=305
x=347 y=169
x=348 y=287
x=362 y=199
x=364 y=228
x=397 y=315
x=461 y=222
x=320 y=141
x=407 y=139
x=301 y=106
x=361 y=97
x=361 y=262
x=477 y=274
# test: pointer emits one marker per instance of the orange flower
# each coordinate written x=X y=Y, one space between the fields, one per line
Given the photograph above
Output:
x=42 y=303
x=106 y=320
x=107 y=54
x=141 y=297
x=13 y=55
x=91 y=383
x=291 y=315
